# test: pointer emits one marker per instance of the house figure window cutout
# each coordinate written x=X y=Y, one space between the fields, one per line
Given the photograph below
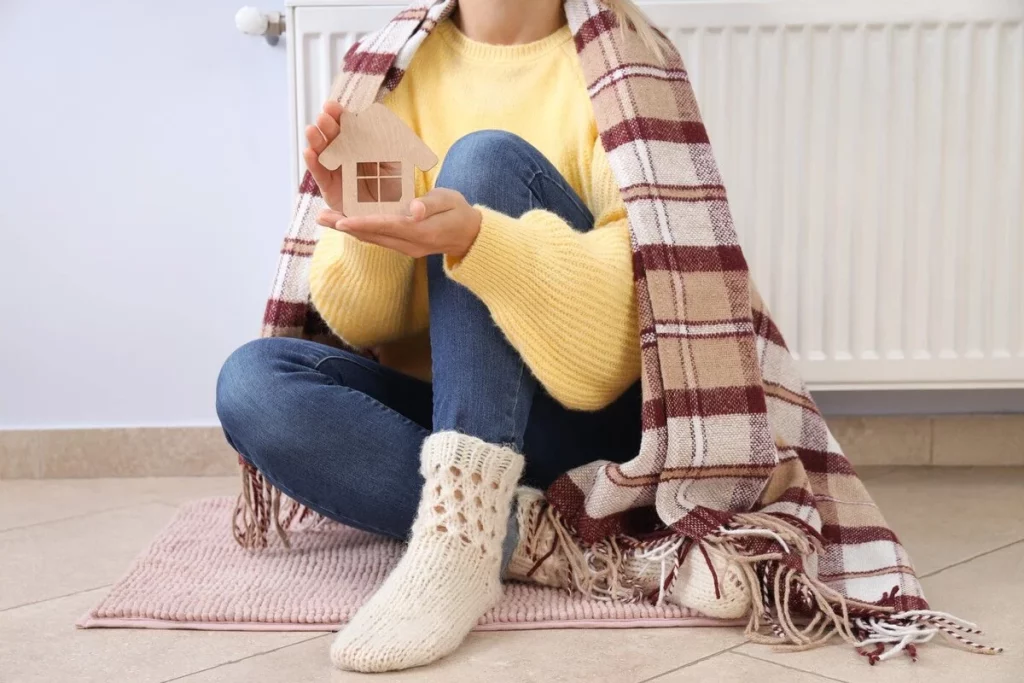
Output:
x=379 y=181
x=378 y=155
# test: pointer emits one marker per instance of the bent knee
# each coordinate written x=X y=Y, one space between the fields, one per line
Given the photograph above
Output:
x=245 y=380
x=484 y=162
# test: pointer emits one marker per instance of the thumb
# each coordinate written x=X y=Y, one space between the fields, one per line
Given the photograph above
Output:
x=434 y=202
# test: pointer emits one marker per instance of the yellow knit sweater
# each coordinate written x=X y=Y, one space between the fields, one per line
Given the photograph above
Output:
x=564 y=299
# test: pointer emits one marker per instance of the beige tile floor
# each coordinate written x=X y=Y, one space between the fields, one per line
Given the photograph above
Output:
x=63 y=542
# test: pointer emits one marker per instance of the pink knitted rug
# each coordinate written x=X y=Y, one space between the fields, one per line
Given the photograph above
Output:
x=194 y=576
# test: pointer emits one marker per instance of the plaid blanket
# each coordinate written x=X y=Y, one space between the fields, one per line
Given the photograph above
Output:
x=735 y=456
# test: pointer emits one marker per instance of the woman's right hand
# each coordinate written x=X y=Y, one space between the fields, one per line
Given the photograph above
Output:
x=318 y=137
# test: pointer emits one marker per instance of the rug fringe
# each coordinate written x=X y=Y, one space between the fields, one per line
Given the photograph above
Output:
x=261 y=505
x=791 y=610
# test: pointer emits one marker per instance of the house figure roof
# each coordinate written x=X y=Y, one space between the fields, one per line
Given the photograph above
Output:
x=376 y=134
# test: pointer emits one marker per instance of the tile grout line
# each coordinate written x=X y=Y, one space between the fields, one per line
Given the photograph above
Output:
x=696 y=661
x=84 y=514
x=55 y=597
x=791 y=668
x=972 y=558
x=242 y=659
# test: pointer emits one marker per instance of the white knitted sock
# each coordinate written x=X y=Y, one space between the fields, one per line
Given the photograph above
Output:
x=537 y=558
x=694 y=586
x=449 y=575
x=541 y=558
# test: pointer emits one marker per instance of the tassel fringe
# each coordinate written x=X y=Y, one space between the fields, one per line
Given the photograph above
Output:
x=904 y=631
x=596 y=571
x=791 y=611
x=261 y=505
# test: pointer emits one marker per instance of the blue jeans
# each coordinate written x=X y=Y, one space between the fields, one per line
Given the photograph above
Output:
x=341 y=433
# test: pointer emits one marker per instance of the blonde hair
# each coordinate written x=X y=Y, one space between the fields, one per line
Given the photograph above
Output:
x=630 y=15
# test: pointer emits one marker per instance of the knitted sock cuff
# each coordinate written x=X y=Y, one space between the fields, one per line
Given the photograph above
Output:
x=471 y=455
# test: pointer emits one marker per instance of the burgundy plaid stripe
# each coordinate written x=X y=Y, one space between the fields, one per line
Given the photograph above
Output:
x=285 y=314
x=824 y=462
x=308 y=185
x=595 y=25
x=673 y=193
x=797 y=495
x=631 y=130
x=369 y=63
x=693 y=259
x=393 y=77
x=766 y=328
x=852 y=535
x=717 y=401
x=653 y=413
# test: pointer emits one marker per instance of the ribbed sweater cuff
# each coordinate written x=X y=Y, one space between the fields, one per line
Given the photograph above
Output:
x=351 y=280
x=493 y=267
x=363 y=258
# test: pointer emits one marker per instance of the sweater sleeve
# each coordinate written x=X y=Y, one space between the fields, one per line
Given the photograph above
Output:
x=367 y=294
x=564 y=299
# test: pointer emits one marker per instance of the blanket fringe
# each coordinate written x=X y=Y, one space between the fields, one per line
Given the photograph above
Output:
x=261 y=505
x=595 y=571
x=791 y=610
x=904 y=631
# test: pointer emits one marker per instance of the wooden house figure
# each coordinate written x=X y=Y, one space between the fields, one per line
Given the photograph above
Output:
x=378 y=155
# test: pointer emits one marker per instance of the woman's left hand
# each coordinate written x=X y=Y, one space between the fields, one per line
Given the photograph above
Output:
x=442 y=222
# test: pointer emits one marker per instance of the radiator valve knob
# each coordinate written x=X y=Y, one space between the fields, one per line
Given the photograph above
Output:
x=253 y=22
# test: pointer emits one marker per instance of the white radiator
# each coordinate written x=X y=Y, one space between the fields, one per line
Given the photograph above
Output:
x=874 y=158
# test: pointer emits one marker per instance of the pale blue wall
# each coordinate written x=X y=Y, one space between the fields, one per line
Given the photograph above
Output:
x=144 y=190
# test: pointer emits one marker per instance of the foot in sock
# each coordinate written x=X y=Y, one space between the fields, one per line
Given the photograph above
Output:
x=542 y=557
x=537 y=557
x=722 y=595
x=450 y=573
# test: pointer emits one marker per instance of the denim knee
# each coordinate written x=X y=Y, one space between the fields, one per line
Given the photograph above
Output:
x=483 y=164
x=241 y=384
x=251 y=401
